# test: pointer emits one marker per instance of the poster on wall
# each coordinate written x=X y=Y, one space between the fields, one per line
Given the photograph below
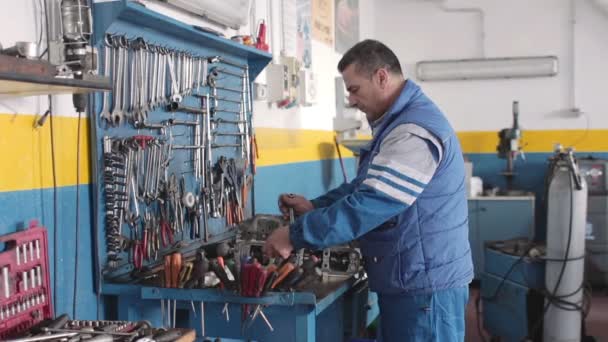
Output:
x=304 y=49
x=323 y=21
x=347 y=24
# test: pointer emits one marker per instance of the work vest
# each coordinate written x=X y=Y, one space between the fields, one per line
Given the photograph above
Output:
x=425 y=248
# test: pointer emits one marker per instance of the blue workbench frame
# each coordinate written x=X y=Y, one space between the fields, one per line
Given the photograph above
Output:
x=295 y=316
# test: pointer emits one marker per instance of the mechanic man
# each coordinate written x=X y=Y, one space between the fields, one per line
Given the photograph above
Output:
x=407 y=206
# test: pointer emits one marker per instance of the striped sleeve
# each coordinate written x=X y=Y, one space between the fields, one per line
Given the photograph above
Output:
x=405 y=164
x=398 y=174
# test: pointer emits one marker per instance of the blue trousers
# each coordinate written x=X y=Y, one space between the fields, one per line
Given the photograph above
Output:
x=436 y=316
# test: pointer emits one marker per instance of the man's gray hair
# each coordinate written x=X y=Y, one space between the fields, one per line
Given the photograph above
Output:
x=369 y=56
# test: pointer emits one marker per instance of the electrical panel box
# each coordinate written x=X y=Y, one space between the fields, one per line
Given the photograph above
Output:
x=277 y=78
x=293 y=76
x=283 y=79
x=307 y=88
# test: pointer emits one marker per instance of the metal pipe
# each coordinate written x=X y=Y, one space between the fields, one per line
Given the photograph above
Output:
x=92 y=332
x=7 y=292
x=43 y=338
x=181 y=122
x=234 y=122
x=178 y=107
x=480 y=13
x=240 y=91
x=221 y=110
x=225 y=145
x=218 y=59
x=228 y=72
x=233 y=134
x=187 y=147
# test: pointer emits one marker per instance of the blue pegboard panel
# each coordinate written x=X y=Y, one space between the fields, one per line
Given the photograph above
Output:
x=132 y=23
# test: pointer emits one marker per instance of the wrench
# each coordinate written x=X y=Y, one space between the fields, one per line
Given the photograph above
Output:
x=175 y=97
x=105 y=112
x=118 y=112
x=134 y=90
x=154 y=81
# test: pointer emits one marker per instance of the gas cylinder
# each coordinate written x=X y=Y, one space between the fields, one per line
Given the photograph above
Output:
x=566 y=220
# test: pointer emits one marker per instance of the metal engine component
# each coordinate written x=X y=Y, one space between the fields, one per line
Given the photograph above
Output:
x=259 y=227
x=341 y=261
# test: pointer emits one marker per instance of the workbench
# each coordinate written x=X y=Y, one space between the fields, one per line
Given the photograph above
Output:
x=340 y=308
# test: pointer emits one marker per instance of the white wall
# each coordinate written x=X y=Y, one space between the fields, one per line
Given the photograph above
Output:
x=24 y=20
x=420 y=30
x=324 y=66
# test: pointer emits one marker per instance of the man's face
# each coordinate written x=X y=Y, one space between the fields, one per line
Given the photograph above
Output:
x=364 y=93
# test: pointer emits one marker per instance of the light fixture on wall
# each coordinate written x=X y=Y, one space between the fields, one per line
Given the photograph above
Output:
x=487 y=68
x=230 y=13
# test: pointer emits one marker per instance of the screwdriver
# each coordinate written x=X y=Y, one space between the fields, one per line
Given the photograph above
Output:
x=283 y=273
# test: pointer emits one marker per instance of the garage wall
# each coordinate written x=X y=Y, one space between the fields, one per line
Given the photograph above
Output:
x=572 y=30
x=296 y=153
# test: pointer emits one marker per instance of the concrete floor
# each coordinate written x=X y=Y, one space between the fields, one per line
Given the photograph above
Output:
x=597 y=320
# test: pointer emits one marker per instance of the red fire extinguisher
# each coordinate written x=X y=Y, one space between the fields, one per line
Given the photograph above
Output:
x=261 y=39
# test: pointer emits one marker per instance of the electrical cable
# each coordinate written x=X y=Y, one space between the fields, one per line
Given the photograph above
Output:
x=98 y=276
x=43 y=8
x=41 y=22
x=498 y=288
x=55 y=213
x=341 y=160
x=586 y=133
x=77 y=230
x=50 y=110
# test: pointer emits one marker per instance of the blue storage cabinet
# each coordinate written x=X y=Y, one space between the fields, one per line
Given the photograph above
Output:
x=495 y=218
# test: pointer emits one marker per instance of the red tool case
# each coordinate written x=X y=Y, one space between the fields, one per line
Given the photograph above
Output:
x=25 y=289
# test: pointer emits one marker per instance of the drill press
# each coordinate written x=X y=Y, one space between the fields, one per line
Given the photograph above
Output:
x=508 y=146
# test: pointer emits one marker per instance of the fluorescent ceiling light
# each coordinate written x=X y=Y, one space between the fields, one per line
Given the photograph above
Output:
x=487 y=68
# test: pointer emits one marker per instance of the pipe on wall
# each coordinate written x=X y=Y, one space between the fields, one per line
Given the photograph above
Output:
x=603 y=5
x=442 y=4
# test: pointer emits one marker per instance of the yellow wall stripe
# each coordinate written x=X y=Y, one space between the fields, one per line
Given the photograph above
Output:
x=25 y=157
x=282 y=146
x=26 y=152
x=542 y=141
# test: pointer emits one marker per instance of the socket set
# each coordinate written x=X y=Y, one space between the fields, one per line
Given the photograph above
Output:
x=24 y=280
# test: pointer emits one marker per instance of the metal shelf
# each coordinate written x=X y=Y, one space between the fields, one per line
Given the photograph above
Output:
x=324 y=294
x=22 y=77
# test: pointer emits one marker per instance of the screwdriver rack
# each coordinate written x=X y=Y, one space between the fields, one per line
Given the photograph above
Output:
x=25 y=297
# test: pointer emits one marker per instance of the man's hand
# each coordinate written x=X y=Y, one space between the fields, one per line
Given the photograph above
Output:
x=278 y=243
x=299 y=204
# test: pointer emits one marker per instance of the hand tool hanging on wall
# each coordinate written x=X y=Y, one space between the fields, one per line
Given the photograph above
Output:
x=209 y=180
x=139 y=72
x=133 y=169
